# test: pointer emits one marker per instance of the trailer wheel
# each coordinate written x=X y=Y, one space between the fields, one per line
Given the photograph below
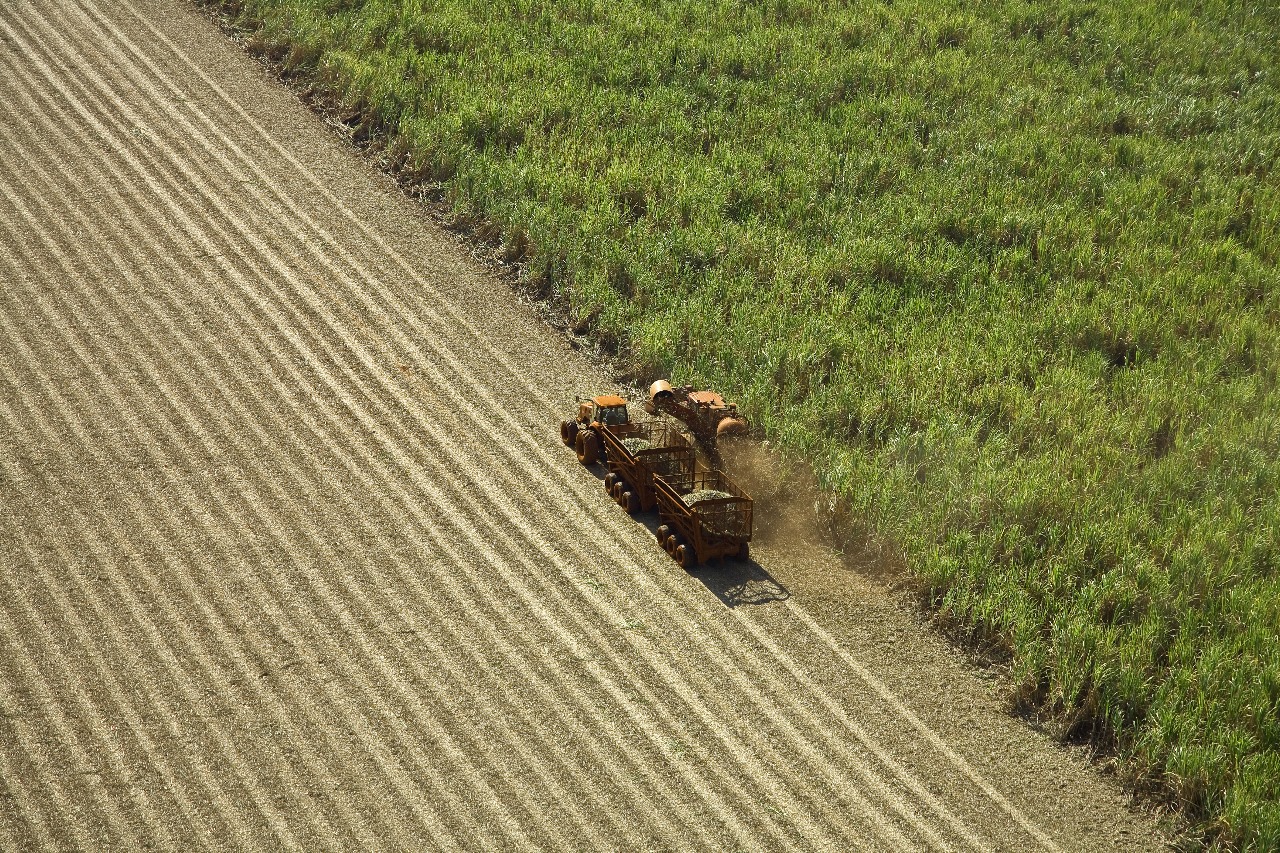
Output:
x=628 y=501
x=620 y=492
x=663 y=532
x=744 y=551
x=568 y=432
x=609 y=480
x=672 y=543
x=588 y=446
x=685 y=557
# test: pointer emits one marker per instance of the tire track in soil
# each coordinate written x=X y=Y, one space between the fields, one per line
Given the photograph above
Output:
x=164 y=652
x=56 y=798
x=248 y=670
x=123 y=761
x=23 y=823
x=85 y=735
x=138 y=521
x=91 y=441
x=104 y=661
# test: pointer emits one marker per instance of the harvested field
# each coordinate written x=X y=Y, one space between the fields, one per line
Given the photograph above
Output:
x=293 y=556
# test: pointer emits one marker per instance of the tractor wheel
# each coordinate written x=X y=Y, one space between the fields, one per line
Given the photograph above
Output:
x=685 y=557
x=588 y=448
x=568 y=432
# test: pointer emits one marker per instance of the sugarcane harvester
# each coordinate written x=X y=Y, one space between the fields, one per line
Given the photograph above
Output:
x=705 y=413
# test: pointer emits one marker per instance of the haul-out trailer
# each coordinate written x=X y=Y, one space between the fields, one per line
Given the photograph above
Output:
x=705 y=516
x=638 y=454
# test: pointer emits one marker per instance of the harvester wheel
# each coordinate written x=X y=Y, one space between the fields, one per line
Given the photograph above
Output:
x=731 y=427
x=588 y=446
x=685 y=557
x=568 y=432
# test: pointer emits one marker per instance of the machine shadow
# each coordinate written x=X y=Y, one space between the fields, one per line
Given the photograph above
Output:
x=740 y=582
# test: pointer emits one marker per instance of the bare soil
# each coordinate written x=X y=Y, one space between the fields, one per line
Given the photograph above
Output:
x=293 y=556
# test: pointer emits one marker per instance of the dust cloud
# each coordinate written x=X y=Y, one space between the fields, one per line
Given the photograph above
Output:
x=795 y=517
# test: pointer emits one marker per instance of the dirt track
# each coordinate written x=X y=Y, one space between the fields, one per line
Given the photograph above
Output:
x=292 y=556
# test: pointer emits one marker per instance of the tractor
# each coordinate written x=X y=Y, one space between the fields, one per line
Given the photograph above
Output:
x=583 y=433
